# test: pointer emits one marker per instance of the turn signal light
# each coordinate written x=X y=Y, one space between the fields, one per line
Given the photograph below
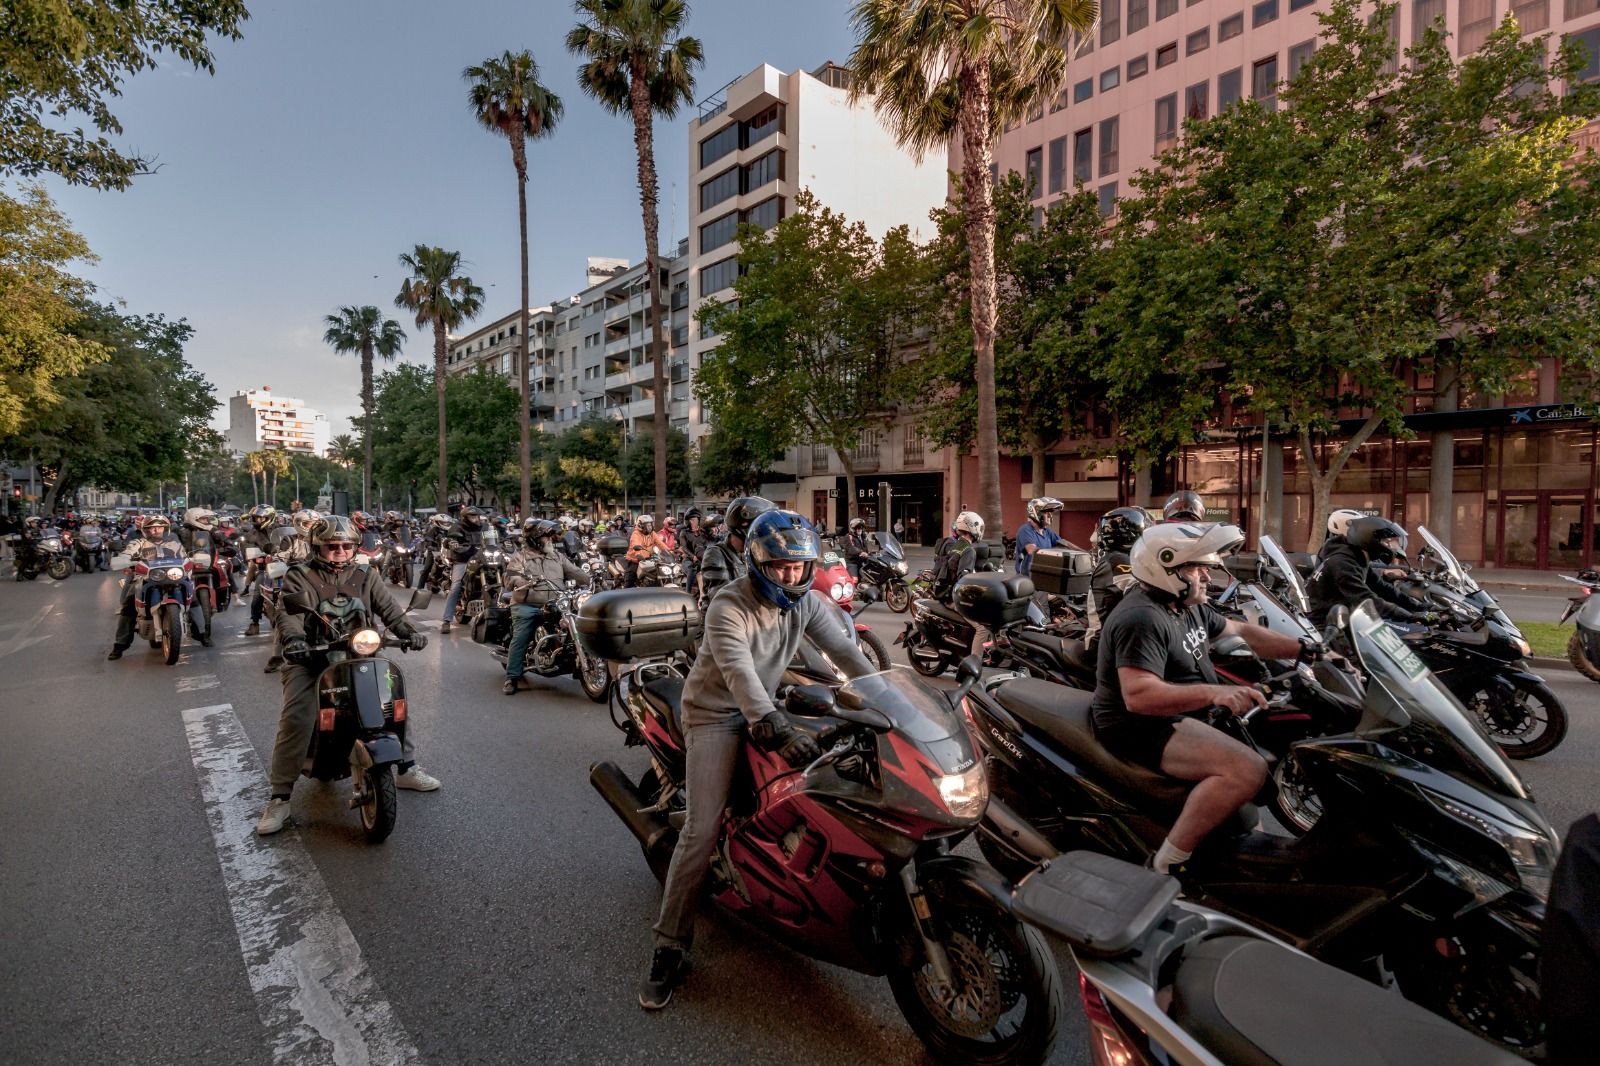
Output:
x=400 y=710
x=325 y=719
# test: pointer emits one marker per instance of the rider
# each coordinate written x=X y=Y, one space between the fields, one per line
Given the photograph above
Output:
x=461 y=542
x=366 y=528
x=669 y=534
x=1185 y=506
x=1154 y=672
x=531 y=597
x=960 y=556
x=155 y=541
x=571 y=540
x=1036 y=533
x=1115 y=535
x=199 y=534
x=261 y=520
x=752 y=629
x=724 y=560
x=642 y=543
x=1344 y=573
x=693 y=541
x=856 y=545
x=331 y=572
x=293 y=546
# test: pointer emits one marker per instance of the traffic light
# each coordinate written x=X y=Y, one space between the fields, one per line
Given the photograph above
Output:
x=16 y=492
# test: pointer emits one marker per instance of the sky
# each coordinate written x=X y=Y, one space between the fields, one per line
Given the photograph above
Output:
x=336 y=135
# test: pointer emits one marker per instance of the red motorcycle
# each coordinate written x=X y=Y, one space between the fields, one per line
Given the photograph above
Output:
x=833 y=579
x=848 y=860
x=165 y=596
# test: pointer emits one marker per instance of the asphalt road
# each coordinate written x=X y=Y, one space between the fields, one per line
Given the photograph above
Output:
x=507 y=919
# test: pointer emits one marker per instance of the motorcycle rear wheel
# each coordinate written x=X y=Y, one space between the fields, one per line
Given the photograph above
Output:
x=60 y=569
x=1580 y=659
x=873 y=648
x=1531 y=734
x=171 y=633
x=926 y=662
x=379 y=811
x=896 y=597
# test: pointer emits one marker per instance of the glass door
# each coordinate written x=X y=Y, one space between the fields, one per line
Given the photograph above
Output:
x=1519 y=531
x=1565 y=540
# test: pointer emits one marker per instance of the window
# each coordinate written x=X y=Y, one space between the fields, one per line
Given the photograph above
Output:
x=1198 y=41
x=1108 y=146
x=1166 y=120
x=680 y=336
x=718 y=275
x=1299 y=55
x=1110 y=21
x=1058 y=163
x=759 y=127
x=724 y=186
x=1532 y=15
x=1138 y=15
x=766 y=169
x=1579 y=8
x=715 y=234
x=1392 y=33
x=1476 y=18
x=1138 y=67
x=1108 y=199
x=1197 y=101
x=719 y=144
x=766 y=214
x=1083 y=90
x=1230 y=27
x=1264 y=12
x=1166 y=9
x=1590 y=39
x=1424 y=15
x=1296 y=5
x=1264 y=82
x=1083 y=156
x=1230 y=87
x=1036 y=220
x=1036 y=112
x=1110 y=78
x=1032 y=176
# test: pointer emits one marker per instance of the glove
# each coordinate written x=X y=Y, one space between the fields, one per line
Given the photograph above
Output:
x=1428 y=618
x=296 y=650
x=1311 y=650
x=416 y=641
x=775 y=733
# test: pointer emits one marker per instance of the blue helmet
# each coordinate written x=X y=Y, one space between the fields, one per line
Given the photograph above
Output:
x=777 y=537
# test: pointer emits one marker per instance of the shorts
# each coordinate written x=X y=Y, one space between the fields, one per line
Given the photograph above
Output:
x=1138 y=738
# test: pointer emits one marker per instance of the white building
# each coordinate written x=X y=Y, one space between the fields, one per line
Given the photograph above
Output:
x=259 y=420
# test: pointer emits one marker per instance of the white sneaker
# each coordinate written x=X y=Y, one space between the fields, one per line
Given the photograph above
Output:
x=418 y=780
x=274 y=817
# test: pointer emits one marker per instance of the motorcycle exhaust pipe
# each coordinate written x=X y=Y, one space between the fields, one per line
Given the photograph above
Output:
x=650 y=827
x=1008 y=828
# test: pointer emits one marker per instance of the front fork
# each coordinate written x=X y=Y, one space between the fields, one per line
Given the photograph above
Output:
x=922 y=917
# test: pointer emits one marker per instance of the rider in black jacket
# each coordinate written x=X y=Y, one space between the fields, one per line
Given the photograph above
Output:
x=723 y=561
x=461 y=543
x=1344 y=574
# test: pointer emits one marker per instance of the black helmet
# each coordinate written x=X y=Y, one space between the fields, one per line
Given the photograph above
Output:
x=693 y=512
x=1373 y=535
x=743 y=511
x=471 y=517
x=1185 y=506
x=534 y=529
x=1119 y=527
x=261 y=516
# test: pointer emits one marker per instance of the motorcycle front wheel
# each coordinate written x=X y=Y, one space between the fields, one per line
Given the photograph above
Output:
x=896 y=596
x=873 y=648
x=1295 y=802
x=381 y=805
x=60 y=569
x=1579 y=657
x=171 y=633
x=595 y=678
x=1526 y=722
x=1486 y=988
x=1003 y=1008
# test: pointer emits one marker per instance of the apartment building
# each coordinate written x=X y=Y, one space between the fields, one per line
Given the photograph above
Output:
x=259 y=420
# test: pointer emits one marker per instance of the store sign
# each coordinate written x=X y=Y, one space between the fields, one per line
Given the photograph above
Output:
x=1551 y=412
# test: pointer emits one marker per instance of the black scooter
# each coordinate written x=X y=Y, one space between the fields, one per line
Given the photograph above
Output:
x=1429 y=851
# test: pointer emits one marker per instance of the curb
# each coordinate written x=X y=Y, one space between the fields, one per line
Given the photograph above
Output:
x=1541 y=664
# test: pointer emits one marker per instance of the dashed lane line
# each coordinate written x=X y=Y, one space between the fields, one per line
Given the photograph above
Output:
x=198 y=682
x=314 y=994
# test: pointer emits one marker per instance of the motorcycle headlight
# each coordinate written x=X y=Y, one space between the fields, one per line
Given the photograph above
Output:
x=1532 y=853
x=901 y=568
x=365 y=642
x=1522 y=646
x=175 y=573
x=202 y=559
x=965 y=795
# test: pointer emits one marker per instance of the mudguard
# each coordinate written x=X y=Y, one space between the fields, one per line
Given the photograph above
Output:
x=943 y=874
x=380 y=750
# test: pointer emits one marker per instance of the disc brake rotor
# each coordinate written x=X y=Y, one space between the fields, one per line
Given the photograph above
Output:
x=973 y=1005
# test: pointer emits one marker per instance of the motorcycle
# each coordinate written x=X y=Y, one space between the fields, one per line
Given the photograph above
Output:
x=1583 y=649
x=832 y=578
x=660 y=570
x=361 y=717
x=555 y=648
x=396 y=567
x=209 y=581
x=46 y=555
x=1428 y=853
x=165 y=598
x=484 y=577
x=89 y=549
x=883 y=573
x=847 y=860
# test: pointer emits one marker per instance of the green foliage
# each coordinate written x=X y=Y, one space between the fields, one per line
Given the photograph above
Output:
x=403 y=435
x=585 y=481
x=618 y=38
x=59 y=57
x=506 y=96
x=639 y=465
x=482 y=409
x=728 y=466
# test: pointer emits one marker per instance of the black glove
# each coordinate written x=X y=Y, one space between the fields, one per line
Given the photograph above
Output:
x=775 y=733
x=1428 y=618
x=415 y=641
x=296 y=650
x=1311 y=650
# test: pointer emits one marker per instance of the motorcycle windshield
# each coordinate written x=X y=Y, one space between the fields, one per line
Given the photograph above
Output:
x=1447 y=558
x=1296 y=590
x=491 y=539
x=1407 y=695
x=918 y=713
x=890 y=546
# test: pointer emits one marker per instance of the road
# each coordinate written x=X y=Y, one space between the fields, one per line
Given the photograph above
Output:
x=507 y=919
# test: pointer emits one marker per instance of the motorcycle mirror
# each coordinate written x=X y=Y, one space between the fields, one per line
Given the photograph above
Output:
x=1339 y=617
x=420 y=598
x=809 y=701
x=969 y=670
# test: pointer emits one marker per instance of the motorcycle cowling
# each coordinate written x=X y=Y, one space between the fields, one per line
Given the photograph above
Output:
x=370 y=690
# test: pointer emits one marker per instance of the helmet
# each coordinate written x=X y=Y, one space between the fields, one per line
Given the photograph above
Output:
x=669 y=522
x=200 y=518
x=1041 y=508
x=148 y=524
x=261 y=516
x=360 y=519
x=330 y=530
x=857 y=523
x=565 y=521
x=392 y=518
x=620 y=518
x=1162 y=550
x=743 y=511
x=471 y=517
x=1379 y=538
x=693 y=512
x=969 y=522
x=304 y=520
x=585 y=526
x=534 y=529
x=1119 y=527
x=34 y=522
x=647 y=522
x=1183 y=506
x=713 y=520
x=1339 y=521
x=778 y=537
x=439 y=521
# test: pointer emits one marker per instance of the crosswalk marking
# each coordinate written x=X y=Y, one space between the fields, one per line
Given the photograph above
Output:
x=198 y=682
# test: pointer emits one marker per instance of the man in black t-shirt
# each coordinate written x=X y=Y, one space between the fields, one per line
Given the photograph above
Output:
x=1154 y=669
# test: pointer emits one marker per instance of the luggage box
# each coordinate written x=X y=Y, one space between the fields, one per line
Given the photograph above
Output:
x=492 y=626
x=1062 y=571
x=641 y=623
x=993 y=600
x=612 y=546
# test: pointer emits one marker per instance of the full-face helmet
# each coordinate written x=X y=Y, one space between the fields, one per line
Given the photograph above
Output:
x=775 y=537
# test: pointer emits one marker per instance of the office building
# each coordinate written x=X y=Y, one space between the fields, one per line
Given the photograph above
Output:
x=258 y=420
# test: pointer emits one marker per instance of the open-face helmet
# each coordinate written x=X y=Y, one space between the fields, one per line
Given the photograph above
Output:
x=647 y=522
x=334 y=530
x=1041 y=508
x=1164 y=550
x=970 y=523
x=150 y=526
x=781 y=537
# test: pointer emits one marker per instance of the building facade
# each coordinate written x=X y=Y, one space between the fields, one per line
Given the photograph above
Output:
x=258 y=420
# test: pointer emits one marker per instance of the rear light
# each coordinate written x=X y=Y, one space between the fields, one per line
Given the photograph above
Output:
x=399 y=710
x=325 y=719
x=1107 y=1044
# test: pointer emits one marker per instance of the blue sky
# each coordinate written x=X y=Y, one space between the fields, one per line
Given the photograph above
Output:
x=335 y=135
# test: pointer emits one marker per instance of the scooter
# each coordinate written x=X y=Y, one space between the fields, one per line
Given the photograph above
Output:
x=1583 y=649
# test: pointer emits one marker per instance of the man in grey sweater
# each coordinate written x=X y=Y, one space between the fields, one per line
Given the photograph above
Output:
x=753 y=626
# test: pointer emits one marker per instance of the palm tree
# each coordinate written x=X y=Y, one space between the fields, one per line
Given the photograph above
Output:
x=636 y=62
x=442 y=299
x=346 y=451
x=507 y=98
x=365 y=330
x=936 y=67
x=256 y=463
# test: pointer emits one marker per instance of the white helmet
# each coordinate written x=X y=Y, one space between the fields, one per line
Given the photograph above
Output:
x=200 y=518
x=969 y=522
x=1042 y=507
x=1339 y=521
x=304 y=520
x=1162 y=550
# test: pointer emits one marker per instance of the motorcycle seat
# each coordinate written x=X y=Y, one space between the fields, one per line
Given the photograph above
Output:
x=1069 y=651
x=939 y=610
x=1062 y=714
x=665 y=694
x=1255 y=1003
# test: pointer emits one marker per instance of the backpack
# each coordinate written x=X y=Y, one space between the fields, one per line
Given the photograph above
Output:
x=947 y=566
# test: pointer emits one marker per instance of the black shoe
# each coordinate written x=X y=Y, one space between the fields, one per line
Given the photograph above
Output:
x=510 y=687
x=668 y=968
x=116 y=653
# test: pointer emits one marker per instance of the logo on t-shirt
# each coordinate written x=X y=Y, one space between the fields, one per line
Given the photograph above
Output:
x=1194 y=642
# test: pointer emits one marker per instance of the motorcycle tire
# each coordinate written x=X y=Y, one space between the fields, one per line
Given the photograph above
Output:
x=1006 y=1008
x=927 y=663
x=381 y=806
x=596 y=680
x=1511 y=744
x=1294 y=802
x=60 y=569
x=171 y=633
x=897 y=597
x=1580 y=660
x=873 y=648
x=1481 y=987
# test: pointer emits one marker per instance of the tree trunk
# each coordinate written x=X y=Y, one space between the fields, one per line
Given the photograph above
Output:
x=847 y=506
x=976 y=189
x=644 y=141
x=1036 y=455
x=366 y=423
x=1442 y=473
x=438 y=386
x=55 y=486
x=1322 y=481
x=519 y=157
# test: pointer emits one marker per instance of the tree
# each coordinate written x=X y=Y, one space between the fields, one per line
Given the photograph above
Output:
x=405 y=445
x=935 y=67
x=729 y=466
x=347 y=451
x=442 y=299
x=483 y=433
x=65 y=56
x=40 y=303
x=639 y=463
x=585 y=462
x=212 y=470
x=812 y=341
x=364 y=330
x=637 y=62
x=507 y=97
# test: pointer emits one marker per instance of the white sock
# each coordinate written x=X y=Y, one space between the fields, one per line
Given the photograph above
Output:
x=1168 y=856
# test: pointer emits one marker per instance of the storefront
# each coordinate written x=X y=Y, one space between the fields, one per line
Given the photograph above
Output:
x=914 y=499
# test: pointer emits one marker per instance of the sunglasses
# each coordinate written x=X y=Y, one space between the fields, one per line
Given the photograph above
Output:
x=348 y=548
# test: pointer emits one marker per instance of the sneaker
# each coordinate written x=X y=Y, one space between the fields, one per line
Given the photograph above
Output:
x=444 y=627
x=417 y=779
x=668 y=967
x=274 y=817
x=510 y=687
x=253 y=629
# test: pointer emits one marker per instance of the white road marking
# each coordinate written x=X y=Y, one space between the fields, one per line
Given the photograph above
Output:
x=198 y=682
x=314 y=993
x=25 y=636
